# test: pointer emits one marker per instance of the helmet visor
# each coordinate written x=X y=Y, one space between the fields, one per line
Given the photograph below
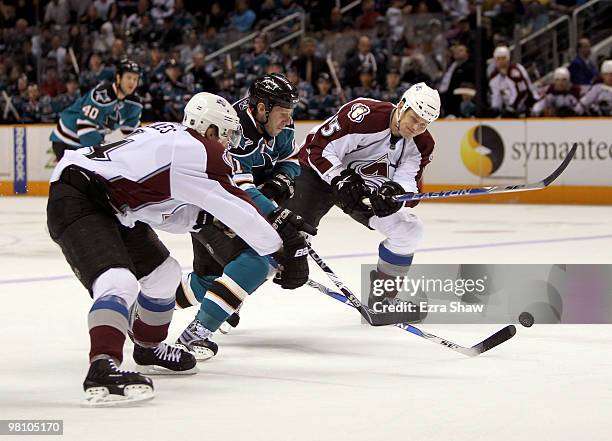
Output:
x=233 y=136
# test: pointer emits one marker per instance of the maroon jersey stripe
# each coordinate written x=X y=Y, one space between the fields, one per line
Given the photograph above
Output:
x=359 y=116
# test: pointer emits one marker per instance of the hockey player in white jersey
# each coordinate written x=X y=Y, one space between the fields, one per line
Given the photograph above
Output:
x=512 y=92
x=371 y=149
x=598 y=99
x=104 y=201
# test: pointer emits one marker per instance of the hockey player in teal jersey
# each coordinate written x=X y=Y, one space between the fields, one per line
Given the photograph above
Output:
x=226 y=270
x=105 y=108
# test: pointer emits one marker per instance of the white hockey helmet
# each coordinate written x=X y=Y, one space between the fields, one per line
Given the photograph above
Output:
x=606 y=67
x=421 y=98
x=205 y=109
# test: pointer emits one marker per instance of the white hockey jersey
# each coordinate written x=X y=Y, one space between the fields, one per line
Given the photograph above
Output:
x=358 y=137
x=598 y=100
x=165 y=174
x=512 y=91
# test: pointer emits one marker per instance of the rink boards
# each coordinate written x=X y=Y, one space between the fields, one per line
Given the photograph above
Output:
x=468 y=153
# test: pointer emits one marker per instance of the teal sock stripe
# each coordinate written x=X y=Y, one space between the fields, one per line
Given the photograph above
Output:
x=248 y=270
x=211 y=315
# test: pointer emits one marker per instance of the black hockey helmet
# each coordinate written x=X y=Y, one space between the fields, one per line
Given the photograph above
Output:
x=127 y=65
x=273 y=90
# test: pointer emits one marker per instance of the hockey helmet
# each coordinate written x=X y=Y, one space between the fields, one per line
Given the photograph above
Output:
x=127 y=65
x=205 y=109
x=421 y=98
x=273 y=90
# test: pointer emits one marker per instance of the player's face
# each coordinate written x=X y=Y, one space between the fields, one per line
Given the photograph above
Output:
x=212 y=133
x=607 y=79
x=411 y=124
x=278 y=119
x=128 y=82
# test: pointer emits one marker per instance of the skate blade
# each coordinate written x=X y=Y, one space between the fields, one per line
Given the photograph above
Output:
x=200 y=353
x=225 y=328
x=159 y=370
x=133 y=395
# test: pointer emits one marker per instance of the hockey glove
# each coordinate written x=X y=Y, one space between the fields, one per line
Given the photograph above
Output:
x=350 y=189
x=294 y=254
x=278 y=188
x=382 y=201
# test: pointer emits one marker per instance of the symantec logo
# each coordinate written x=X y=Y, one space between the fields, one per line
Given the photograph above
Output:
x=482 y=150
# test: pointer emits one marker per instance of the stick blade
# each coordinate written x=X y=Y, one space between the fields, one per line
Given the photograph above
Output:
x=492 y=341
x=554 y=175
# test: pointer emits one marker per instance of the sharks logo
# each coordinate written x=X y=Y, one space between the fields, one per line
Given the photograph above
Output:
x=270 y=84
x=101 y=96
x=375 y=172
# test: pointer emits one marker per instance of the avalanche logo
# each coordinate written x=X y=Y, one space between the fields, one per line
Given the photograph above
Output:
x=375 y=172
x=358 y=112
x=482 y=150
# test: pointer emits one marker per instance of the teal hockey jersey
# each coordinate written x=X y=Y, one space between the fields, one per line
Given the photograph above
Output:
x=85 y=122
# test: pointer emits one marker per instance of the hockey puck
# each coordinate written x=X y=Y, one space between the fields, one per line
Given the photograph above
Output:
x=526 y=319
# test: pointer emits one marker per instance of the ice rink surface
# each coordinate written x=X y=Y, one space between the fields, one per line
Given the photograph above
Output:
x=301 y=367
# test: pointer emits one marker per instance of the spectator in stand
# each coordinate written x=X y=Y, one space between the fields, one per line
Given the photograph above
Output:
x=190 y=48
x=92 y=20
x=305 y=92
x=134 y=21
x=582 y=69
x=415 y=73
x=57 y=12
x=253 y=63
x=275 y=66
x=308 y=65
x=183 y=19
x=107 y=9
x=161 y=9
x=227 y=88
x=394 y=87
x=36 y=109
x=170 y=35
x=78 y=8
x=117 y=51
x=197 y=78
x=460 y=71
x=362 y=57
x=52 y=85
x=171 y=94
x=561 y=97
x=217 y=18
x=456 y=8
x=57 y=54
x=511 y=89
x=467 y=107
x=598 y=99
x=324 y=103
x=369 y=14
x=368 y=87
x=72 y=93
x=97 y=72
x=243 y=18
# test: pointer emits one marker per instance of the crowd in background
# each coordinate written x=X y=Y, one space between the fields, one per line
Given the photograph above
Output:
x=53 y=51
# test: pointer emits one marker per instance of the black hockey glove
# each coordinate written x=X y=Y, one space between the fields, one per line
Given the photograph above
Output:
x=294 y=254
x=279 y=188
x=382 y=201
x=350 y=189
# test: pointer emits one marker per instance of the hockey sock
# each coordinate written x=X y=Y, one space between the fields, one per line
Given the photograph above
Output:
x=152 y=319
x=391 y=265
x=192 y=289
x=108 y=324
x=240 y=278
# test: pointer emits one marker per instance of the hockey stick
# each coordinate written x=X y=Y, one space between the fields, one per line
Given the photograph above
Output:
x=492 y=190
x=372 y=317
x=334 y=75
x=488 y=343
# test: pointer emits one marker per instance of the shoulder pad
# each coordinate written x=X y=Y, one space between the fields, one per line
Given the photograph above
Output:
x=103 y=94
